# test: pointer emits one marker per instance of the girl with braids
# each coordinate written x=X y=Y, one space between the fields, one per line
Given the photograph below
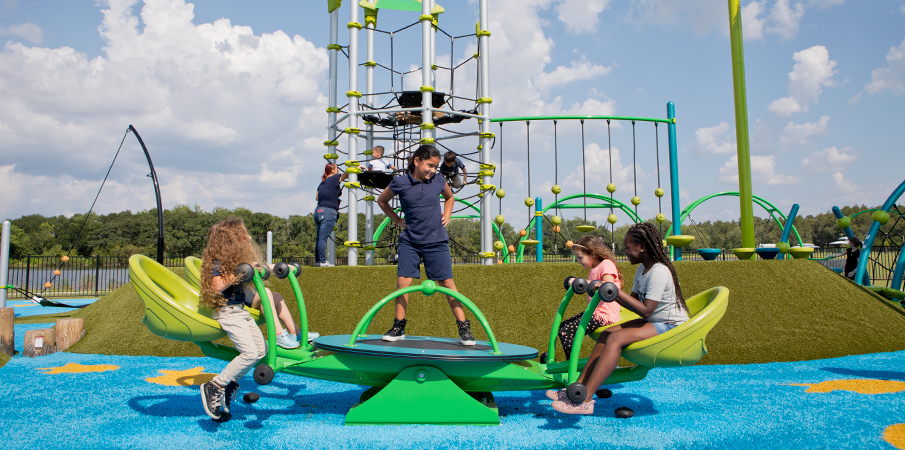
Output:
x=592 y=253
x=656 y=297
x=424 y=235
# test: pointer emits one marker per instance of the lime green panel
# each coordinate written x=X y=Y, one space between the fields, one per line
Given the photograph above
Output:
x=193 y=272
x=422 y=395
x=399 y=5
x=684 y=344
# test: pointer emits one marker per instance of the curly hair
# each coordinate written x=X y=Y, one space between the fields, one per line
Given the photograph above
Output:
x=647 y=235
x=228 y=245
x=595 y=247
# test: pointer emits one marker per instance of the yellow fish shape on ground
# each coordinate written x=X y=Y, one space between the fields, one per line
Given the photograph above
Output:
x=78 y=368
x=190 y=377
x=861 y=386
x=895 y=435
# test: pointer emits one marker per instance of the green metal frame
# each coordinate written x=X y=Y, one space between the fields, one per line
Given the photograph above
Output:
x=767 y=206
x=614 y=204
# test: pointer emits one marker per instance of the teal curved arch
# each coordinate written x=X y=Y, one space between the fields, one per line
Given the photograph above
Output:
x=899 y=268
x=496 y=229
x=609 y=203
x=767 y=206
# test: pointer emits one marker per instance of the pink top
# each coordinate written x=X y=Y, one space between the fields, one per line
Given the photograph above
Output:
x=607 y=312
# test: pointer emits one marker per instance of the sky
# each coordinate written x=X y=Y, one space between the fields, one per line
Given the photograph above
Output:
x=230 y=98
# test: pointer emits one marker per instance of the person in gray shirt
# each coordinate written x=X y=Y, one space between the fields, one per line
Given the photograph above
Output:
x=656 y=297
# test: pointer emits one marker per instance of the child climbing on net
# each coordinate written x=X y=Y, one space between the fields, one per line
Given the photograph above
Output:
x=656 y=297
x=592 y=253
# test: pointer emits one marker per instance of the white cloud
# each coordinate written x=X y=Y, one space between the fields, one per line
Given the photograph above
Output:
x=717 y=140
x=28 y=31
x=581 y=16
x=763 y=171
x=829 y=159
x=562 y=75
x=785 y=19
x=812 y=71
x=211 y=101
x=801 y=134
x=752 y=23
x=891 y=77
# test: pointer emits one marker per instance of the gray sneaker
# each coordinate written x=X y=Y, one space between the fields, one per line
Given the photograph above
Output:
x=397 y=333
x=287 y=341
x=210 y=397
x=229 y=394
x=465 y=332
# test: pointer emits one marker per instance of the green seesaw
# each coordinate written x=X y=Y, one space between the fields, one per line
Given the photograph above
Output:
x=423 y=380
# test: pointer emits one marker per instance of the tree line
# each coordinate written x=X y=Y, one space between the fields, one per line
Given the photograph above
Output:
x=185 y=230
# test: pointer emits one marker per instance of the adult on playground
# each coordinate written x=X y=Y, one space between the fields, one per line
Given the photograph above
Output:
x=327 y=210
x=450 y=170
x=852 y=254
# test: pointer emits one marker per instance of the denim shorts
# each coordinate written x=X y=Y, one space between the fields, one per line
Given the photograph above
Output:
x=663 y=327
x=436 y=257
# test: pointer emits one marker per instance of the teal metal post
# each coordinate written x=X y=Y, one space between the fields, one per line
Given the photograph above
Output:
x=746 y=202
x=674 y=178
x=539 y=228
x=861 y=272
x=838 y=213
x=787 y=228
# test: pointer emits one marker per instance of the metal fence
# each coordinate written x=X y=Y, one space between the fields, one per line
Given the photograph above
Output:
x=98 y=275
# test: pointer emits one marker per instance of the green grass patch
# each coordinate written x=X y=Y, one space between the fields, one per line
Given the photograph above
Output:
x=778 y=310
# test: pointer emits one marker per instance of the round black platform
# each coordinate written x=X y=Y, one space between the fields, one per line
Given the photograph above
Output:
x=425 y=347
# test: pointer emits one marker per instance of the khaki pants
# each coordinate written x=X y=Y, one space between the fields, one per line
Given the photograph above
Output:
x=247 y=338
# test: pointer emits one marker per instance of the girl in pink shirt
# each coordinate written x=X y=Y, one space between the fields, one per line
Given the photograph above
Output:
x=593 y=253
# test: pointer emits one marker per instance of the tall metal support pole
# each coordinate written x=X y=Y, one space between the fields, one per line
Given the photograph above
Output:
x=156 y=193
x=4 y=262
x=270 y=247
x=353 y=131
x=539 y=229
x=428 y=131
x=674 y=178
x=746 y=202
x=332 y=109
x=370 y=24
x=485 y=133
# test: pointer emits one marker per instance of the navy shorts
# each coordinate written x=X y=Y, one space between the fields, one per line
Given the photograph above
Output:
x=437 y=261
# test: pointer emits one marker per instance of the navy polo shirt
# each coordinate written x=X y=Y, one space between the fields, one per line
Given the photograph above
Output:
x=328 y=193
x=421 y=208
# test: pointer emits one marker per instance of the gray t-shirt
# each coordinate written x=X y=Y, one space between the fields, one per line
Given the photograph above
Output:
x=657 y=285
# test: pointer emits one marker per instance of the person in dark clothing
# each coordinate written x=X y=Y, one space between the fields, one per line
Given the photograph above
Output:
x=327 y=210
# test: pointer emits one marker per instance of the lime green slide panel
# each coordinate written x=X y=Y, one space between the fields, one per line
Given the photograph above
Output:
x=172 y=307
x=193 y=272
x=684 y=344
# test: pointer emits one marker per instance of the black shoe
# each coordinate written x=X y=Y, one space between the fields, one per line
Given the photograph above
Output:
x=465 y=332
x=397 y=332
x=211 y=394
x=229 y=394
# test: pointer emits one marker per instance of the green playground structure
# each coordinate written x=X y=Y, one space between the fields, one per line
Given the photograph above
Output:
x=424 y=380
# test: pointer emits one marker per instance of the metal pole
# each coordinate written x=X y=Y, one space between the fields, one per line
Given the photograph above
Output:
x=333 y=50
x=539 y=229
x=157 y=193
x=353 y=96
x=674 y=178
x=270 y=247
x=484 y=108
x=370 y=24
x=746 y=202
x=4 y=262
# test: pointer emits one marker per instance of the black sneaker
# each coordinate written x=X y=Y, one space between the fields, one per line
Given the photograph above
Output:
x=465 y=332
x=397 y=332
x=211 y=395
x=229 y=394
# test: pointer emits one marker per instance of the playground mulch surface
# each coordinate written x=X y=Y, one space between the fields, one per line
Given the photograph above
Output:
x=802 y=359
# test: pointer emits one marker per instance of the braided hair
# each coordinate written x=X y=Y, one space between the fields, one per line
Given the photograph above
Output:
x=647 y=235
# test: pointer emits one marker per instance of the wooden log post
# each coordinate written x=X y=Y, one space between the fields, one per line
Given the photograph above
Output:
x=67 y=332
x=38 y=342
x=8 y=331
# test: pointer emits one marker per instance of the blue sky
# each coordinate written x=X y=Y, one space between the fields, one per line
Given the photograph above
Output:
x=229 y=96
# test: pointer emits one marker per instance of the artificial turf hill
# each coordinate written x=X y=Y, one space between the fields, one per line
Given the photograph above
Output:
x=788 y=310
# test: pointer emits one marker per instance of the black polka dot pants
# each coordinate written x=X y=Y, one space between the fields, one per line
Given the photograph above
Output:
x=569 y=328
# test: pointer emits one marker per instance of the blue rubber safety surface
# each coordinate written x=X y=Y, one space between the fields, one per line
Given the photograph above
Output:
x=98 y=401
x=24 y=308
